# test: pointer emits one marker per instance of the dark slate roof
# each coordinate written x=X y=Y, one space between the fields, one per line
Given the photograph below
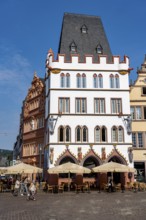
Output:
x=86 y=42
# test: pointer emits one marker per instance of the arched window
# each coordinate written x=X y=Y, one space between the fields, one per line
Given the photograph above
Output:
x=78 y=80
x=95 y=81
x=112 y=81
x=83 y=80
x=85 y=134
x=68 y=80
x=120 y=134
x=97 y=134
x=67 y=134
x=104 y=134
x=117 y=81
x=78 y=134
x=62 y=80
x=61 y=134
x=100 y=81
x=114 y=134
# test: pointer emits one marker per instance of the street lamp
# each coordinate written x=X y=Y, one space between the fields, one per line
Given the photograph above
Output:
x=52 y=124
x=40 y=149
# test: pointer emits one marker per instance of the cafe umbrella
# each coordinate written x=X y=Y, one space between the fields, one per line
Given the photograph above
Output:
x=68 y=168
x=2 y=170
x=22 y=168
x=113 y=167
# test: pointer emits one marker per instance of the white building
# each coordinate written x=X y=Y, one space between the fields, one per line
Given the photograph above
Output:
x=87 y=98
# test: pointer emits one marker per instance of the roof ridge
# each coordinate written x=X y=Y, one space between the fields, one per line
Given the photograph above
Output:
x=75 y=14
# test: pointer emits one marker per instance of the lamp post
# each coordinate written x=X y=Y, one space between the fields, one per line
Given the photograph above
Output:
x=40 y=157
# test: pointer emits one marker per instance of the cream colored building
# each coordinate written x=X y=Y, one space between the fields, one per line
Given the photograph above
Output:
x=138 y=113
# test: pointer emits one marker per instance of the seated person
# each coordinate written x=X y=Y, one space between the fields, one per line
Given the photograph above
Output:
x=110 y=185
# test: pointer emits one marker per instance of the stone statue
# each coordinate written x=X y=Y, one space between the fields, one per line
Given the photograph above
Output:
x=51 y=155
x=49 y=54
x=32 y=124
x=51 y=124
x=130 y=155
x=128 y=124
x=103 y=153
x=48 y=59
x=79 y=154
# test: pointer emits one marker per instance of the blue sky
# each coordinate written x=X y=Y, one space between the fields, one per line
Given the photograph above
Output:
x=29 y=28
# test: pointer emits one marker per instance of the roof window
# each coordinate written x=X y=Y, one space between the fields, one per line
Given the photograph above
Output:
x=99 y=49
x=73 y=47
x=84 y=29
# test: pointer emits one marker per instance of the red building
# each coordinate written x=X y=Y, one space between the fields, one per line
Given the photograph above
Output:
x=33 y=123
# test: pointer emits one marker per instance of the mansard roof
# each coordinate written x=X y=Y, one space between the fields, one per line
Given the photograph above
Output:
x=86 y=42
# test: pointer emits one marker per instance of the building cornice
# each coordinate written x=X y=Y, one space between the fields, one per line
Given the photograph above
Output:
x=92 y=90
x=88 y=144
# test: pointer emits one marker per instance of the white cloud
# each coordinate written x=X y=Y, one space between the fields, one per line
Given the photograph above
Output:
x=15 y=73
x=15 y=78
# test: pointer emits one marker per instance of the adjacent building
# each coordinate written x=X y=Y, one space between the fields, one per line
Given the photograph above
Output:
x=138 y=113
x=87 y=109
x=33 y=123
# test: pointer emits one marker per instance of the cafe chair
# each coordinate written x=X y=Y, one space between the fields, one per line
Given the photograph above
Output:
x=129 y=186
x=86 y=187
x=135 y=186
x=61 y=188
x=78 y=188
x=49 y=188
x=118 y=187
x=105 y=187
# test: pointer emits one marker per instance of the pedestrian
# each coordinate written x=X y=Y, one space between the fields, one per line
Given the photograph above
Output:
x=16 y=188
x=110 y=185
x=32 y=191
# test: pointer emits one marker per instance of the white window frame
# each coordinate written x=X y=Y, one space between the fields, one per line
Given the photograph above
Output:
x=81 y=105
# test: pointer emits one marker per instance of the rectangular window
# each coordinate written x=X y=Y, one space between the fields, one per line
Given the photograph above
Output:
x=138 y=113
x=116 y=106
x=140 y=139
x=64 y=105
x=144 y=90
x=40 y=122
x=81 y=105
x=144 y=112
x=134 y=139
x=99 y=105
x=132 y=113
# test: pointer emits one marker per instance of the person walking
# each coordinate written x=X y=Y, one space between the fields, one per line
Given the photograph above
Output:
x=32 y=191
x=16 y=188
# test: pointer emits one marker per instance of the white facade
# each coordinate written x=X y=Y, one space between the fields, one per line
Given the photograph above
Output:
x=83 y=110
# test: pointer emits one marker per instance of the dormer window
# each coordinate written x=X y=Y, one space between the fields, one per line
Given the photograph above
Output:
x=99 y=49
x=73 y=47
x=84 y=29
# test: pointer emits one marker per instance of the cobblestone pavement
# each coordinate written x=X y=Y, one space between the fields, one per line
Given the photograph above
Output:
x=72 y=206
